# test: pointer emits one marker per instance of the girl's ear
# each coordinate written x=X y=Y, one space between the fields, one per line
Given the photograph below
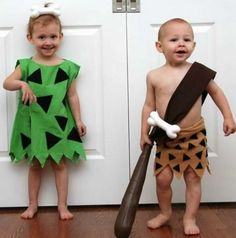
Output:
x=159 y=46
x=29 y=38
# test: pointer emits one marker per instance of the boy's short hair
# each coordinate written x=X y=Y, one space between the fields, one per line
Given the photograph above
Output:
x=173 y=20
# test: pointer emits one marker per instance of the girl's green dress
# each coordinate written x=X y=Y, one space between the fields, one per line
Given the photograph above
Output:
x=46 y=129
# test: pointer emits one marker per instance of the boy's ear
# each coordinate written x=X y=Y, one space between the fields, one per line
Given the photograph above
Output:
x=158 y=46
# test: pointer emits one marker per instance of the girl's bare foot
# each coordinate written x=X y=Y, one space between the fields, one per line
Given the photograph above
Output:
x=29 y=212
x=64 y=213
x=190 y=227
x=158 y=221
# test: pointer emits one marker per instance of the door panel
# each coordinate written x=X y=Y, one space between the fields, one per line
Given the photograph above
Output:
x=102 y=87
x=214 y=32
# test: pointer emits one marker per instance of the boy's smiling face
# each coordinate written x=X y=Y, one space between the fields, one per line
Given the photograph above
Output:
x=176 y=42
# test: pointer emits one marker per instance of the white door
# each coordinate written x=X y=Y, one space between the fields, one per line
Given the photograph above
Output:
x=214 y=26
x=95 y=38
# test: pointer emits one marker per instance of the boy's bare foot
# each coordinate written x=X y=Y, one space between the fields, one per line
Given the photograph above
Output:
x=158 y=221
x=29 y=212
x=190 y=227
x=64 y=213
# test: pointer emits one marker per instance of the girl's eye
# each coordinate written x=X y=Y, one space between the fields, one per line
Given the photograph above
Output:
x=187 y=40
x=173 y=40
x=41 y=37
x=54 y=36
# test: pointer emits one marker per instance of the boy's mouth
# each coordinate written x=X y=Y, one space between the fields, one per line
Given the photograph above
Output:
x=181 y=52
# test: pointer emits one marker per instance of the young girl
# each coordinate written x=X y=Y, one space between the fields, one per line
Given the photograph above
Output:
x=48 y=123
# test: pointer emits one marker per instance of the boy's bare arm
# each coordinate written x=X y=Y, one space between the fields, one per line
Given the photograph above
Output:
x=221 y=101
x=149 y=106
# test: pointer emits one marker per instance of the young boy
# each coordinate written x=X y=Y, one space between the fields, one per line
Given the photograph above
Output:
x=187 y=154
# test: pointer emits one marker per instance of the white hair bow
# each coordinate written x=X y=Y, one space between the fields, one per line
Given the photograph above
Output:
x=49 y=8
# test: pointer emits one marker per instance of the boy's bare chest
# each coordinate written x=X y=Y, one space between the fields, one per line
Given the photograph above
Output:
x=168 y=85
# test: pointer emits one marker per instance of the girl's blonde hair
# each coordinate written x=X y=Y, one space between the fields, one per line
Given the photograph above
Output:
x=43 y=20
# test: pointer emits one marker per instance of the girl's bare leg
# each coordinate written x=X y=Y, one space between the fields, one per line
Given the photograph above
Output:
x=164 y=195
x=193 y=197
x=34 y=181
x=61 y=178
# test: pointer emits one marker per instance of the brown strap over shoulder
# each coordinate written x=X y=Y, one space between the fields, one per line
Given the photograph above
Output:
x=188 y=91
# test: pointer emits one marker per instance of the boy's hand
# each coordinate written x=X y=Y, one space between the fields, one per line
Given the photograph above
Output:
x=144 y=140
x=229 y=126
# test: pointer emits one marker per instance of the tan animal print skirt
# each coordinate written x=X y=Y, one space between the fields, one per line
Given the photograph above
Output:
x=188 y=149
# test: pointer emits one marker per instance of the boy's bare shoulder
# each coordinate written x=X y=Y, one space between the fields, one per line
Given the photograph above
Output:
x=155 y=74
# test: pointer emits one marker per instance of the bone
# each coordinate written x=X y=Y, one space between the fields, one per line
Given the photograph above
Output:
x=52 y=8
x=155 y=120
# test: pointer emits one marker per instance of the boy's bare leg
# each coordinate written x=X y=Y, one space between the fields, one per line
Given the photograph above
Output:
x=193 y=197
x=34 y=181
x=61 y=178
x=164 y=195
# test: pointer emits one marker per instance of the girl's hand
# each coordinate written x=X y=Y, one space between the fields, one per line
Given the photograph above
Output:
x=27 y=94
x=81 y=128
x=229 y=126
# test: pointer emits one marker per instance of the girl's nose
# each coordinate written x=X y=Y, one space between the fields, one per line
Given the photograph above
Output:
x=47 y=41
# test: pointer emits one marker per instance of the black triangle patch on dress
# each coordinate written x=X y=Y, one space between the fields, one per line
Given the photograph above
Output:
x=61 y=121
x=51 y=140
x=44 y=102
x=74 y=135
x=64 y=101
x=61 y=76
x=35 y=77
x=25 y=140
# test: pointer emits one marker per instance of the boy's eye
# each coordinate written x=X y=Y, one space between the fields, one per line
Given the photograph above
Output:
x=173 y=39
x=187 y=39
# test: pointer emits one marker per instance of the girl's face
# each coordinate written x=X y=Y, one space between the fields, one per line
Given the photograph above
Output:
x=177 y=42
x=46 y=39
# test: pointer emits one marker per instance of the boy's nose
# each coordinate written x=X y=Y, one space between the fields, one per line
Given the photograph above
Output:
x=181 y=43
